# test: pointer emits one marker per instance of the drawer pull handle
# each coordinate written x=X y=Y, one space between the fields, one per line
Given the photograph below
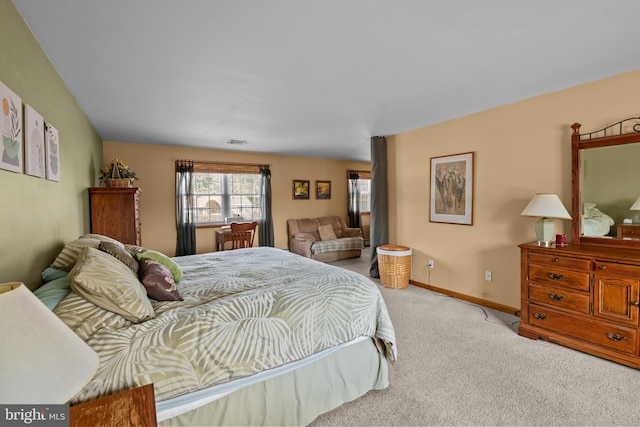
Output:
x=615 y=337
x=555 y=276
x=556 y=297
x=555 y=260
x=540 y=316
x=635 y=303
x=603 y=267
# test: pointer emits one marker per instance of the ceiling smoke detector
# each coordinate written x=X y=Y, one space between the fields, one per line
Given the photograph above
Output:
x=236 y=142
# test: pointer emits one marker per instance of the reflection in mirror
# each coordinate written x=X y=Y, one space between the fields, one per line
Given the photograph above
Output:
x=610 y=179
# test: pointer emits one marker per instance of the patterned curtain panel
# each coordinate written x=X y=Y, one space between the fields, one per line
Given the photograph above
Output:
x=354 y=200
x=185 y=209
x=265 y=230
x=379 y=234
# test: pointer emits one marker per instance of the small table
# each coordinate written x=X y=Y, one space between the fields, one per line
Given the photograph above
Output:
x=630 y=231
x=131 y=408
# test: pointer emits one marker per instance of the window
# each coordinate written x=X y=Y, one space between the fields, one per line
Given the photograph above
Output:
x=364 y=203
x=225 y=191
x=364 y=189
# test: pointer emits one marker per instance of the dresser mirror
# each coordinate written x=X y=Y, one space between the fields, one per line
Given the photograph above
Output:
x=605 y=184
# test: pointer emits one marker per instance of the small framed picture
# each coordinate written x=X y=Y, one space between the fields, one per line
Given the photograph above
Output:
x=300 y=189
x=323 y=189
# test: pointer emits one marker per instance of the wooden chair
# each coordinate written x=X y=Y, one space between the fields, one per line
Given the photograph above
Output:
x=246 y=232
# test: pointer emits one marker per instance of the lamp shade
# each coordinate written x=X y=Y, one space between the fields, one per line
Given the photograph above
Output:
x=42 y=361
x=546 y=206
x=636 y=205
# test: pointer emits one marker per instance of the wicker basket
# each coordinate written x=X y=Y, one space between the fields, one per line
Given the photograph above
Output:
x=394 y=264
x=115 y=180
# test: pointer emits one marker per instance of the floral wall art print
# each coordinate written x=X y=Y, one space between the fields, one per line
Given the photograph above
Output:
x=11 y=149
x=452 y=189
x=52 y=152
x=34 y=157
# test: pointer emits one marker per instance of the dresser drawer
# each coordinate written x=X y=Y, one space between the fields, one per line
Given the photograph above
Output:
x=560 y=261
x=617 y=269
x=556 y=276
x=560 y=297
x=584 y=328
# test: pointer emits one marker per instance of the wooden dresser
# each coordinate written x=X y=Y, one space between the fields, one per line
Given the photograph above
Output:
x=583 y=296
x=115 y=212
x=130 y=408
x=628 y=230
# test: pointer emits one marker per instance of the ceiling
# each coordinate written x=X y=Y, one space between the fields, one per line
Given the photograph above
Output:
x=319 y=77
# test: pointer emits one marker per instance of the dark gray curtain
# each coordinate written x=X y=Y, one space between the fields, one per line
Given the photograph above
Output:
x=265 y=231
x=379 y=234
x=185 y=209
x=354 y=200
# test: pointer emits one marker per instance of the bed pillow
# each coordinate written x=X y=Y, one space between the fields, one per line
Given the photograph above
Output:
x=106 y=282
x=326 y=232
x=102 y=238
x=54 y=291
x=120 y=254
x=52 y=273
x=175 y=269
x=67 y=257
x=158 y=281
x=134 y=249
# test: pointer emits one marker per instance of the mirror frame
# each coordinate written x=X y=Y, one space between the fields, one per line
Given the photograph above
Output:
x=626 y=131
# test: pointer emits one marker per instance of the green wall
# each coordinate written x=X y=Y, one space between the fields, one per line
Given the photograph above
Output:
x=37 y=215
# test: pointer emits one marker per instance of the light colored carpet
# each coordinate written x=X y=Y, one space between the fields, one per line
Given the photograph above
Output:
x=462 y=364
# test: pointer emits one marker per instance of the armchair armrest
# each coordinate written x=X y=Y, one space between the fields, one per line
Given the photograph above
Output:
x=352 y=232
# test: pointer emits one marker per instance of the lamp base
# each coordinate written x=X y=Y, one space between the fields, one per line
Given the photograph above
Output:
x=544 y=232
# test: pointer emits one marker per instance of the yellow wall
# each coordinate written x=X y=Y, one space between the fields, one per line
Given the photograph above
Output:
x=521 y=149
x=38 y=216
x=154 y=165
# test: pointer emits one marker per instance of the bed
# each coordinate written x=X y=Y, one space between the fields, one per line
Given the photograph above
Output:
x=254 y=336
x=595 y=223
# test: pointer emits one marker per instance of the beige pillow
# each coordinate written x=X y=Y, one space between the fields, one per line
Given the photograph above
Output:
x=106 y=282
x=66 y=259
x=326 y=232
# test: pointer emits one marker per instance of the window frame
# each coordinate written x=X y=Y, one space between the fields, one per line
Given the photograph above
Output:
x=225 y=169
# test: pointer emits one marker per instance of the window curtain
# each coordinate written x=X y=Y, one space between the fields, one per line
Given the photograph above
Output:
x=265 y=230
x=185 y=209
x=379 y=234
x=354 y=200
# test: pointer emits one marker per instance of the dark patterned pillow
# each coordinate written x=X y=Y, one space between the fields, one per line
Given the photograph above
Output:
x=158 y=281
x=120 y=254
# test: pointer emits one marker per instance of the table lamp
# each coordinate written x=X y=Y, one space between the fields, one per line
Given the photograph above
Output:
x=635 y=207
x=42 y=361
x=545 y=206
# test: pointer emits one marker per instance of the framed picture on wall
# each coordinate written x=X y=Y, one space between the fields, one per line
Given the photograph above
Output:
x=323 y=189
x=452 y=189
x=11 y=148
x=300 y=189
x=52 y=152
x=34 y=158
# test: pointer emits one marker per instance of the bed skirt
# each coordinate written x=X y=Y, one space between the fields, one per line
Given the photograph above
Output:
x=295 y=396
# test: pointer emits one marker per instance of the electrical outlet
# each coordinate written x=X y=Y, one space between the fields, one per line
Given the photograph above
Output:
x=487 y=276
x=430 y=265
